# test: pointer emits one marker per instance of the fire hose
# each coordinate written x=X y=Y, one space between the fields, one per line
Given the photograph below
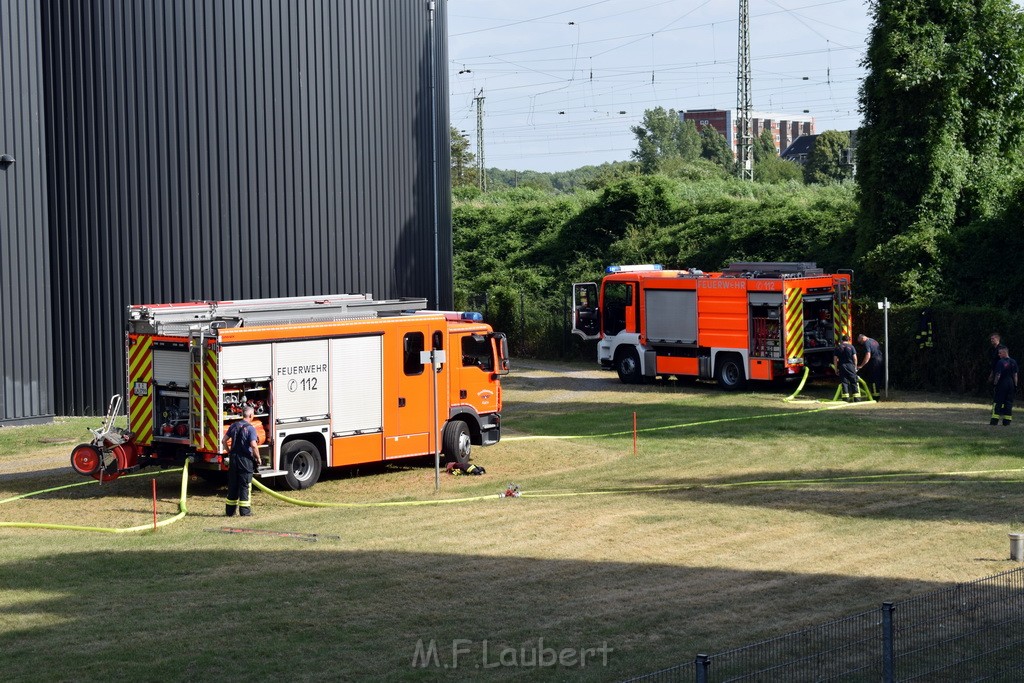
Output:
x=182 y=509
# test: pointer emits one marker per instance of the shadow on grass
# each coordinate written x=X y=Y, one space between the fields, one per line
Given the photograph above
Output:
x=322 y=613
x=878 y=495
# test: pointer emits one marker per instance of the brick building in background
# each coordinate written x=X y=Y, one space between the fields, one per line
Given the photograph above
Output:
x=785 y=128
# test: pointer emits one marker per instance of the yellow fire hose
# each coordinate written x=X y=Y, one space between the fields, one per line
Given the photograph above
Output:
x=894 y=478
x=182 y=509
x=803 y=381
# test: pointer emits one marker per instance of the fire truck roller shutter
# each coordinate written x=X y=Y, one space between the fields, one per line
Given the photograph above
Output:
x=300 y=380
x=244 y=362
x=671 y=316
x=171 y=367
x=357 y=380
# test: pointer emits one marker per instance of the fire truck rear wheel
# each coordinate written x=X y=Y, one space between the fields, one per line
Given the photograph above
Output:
x=455 y=442
x=627 y=364
x=729 y=373
x=301 y=464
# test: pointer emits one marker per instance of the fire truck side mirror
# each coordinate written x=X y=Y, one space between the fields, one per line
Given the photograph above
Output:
x=503 y=363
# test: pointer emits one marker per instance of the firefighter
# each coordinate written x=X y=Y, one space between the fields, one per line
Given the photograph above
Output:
x=245 y=458
x=996 y=340
x=1004 y=377
x=845 y=360
x=871 y=362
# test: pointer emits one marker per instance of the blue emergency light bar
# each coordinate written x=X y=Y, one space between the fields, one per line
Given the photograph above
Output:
x=632 y=269
x=466 y=316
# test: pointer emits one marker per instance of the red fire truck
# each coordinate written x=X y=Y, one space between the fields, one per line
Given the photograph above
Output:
x=336 y=380
x=756 y=321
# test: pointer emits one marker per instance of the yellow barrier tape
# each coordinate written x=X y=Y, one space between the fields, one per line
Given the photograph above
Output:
x=675 y=426
x=182 y=510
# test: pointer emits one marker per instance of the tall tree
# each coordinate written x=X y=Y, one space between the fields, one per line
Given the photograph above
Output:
x=941 y=144
x=463 y=172
x=825 y=161
x=715 y=148
x=764 y=146
x=664 y=138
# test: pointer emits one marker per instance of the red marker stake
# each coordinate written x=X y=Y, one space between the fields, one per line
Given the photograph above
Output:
x=154 y=505
x=634 y=437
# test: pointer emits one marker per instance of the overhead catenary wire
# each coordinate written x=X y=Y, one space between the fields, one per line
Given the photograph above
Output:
x=619 y=84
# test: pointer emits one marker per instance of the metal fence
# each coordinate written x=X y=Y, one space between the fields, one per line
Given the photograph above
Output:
x=968 y=632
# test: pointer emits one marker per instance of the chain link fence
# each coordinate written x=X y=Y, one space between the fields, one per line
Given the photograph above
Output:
x=969 y=632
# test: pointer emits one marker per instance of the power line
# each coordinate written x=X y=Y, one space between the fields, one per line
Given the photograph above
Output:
x=539 y=97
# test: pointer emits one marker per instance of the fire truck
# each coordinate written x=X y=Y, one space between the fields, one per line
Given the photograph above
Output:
x=752 y=321
x=336 y=380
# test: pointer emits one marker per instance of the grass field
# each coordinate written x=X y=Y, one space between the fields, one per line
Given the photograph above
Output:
x=740 y=517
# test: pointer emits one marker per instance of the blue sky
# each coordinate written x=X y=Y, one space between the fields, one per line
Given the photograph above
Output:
x=564 y=80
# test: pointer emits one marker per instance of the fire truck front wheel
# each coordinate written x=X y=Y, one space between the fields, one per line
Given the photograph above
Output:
x=301 y=464
x=627 y=364
x=456 y=442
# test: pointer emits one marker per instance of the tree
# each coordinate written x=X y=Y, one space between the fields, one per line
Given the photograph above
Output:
x=941 y=143
x=777 y=170
x=715 y=148
x=764 y=146
x=463 y=172
x=825 y=161
x=663 y=137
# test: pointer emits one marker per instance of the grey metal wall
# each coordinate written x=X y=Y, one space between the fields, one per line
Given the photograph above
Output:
x=25 y=332
x=226 y=149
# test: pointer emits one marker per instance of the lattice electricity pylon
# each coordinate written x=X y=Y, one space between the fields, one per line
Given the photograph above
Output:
x=744 y=105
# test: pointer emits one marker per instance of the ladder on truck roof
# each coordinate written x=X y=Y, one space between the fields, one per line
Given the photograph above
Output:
x=180 y=319
x=773 y=269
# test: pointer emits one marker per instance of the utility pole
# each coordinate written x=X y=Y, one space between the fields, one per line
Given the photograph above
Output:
x=745 y=138
x=481 y=168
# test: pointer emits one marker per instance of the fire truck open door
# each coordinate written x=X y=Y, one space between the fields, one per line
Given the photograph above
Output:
x=586 y=318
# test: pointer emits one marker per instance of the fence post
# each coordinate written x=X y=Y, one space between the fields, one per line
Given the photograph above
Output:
x=522 y=319
x=888 y=648
x=566 y=328
x=701 y=666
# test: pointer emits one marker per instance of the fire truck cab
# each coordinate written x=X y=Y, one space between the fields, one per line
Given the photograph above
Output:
x=752 y=321
x=335 y=380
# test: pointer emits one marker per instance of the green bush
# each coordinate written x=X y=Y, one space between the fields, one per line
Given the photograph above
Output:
x=957 y=360
x=524 y=248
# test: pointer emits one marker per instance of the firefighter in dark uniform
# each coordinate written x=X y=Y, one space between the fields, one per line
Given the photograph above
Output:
x=1004 y=377
x=245 y=458
x=845 y=360
x=993 y=353
x=871 y=362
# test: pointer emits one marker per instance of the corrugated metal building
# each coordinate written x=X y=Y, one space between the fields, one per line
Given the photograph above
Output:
x=26 y=348
x=235 y=149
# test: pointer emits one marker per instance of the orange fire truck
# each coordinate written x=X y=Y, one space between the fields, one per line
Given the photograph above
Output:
x=759 y=321
x=337 y=380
